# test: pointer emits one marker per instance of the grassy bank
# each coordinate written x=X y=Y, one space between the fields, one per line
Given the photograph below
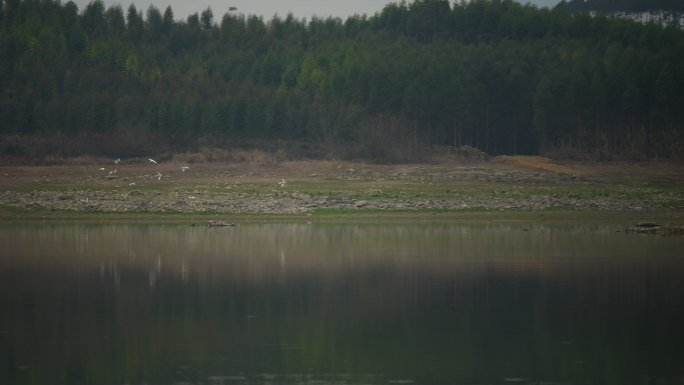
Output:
x=506 y=188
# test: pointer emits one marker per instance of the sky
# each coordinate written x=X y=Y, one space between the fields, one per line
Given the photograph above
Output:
x=268 y=8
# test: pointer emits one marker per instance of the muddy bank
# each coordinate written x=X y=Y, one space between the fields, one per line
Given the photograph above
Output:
x=297 y=203
x=508 y=183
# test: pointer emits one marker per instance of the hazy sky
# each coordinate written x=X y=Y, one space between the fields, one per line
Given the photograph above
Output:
x=268 y=8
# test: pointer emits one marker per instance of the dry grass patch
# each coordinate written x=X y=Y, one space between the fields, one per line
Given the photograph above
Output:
x=539 y=163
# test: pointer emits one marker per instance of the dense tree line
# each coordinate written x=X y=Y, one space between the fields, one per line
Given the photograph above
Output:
x=622 y=5
x=492 y=74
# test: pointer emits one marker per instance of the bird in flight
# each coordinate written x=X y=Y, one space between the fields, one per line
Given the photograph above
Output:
x=152 y=161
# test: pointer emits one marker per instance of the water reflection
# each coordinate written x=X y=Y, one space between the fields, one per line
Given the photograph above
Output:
x=459 y=303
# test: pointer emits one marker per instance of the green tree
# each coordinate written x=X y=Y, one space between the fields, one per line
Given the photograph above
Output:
x=94 y=20
x=207 y=19
x=429 y=20
x=167 y=21
x=193 y=21
x=153 y=23
x=115 y=20
x=134 y=23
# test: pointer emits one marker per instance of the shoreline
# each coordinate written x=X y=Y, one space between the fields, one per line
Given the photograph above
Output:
x=506 y=188
x=669 y=217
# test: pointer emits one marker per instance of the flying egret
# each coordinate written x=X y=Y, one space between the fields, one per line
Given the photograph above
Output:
x=152 y=160
x=185 y=168
x=117 y=161
x=282 y=183
x=159 y=176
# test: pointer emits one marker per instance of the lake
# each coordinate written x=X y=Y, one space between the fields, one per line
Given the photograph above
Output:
x=331 y=303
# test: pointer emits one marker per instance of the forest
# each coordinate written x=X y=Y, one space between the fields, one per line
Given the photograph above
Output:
x=491 y=74
x=622 y=5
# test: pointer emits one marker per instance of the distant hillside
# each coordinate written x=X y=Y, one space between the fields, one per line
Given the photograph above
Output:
x=607 y=6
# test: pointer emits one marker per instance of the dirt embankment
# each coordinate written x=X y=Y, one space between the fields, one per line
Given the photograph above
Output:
x=271 y=187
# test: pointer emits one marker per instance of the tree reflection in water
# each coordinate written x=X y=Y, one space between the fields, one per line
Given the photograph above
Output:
x=339 y=303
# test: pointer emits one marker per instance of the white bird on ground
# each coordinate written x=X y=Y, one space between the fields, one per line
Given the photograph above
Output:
x=159 y=176
x=282 y=183
x=103 y=169
x=113 y=172
x=152 y=160
x=185 y=168
x=117 y=161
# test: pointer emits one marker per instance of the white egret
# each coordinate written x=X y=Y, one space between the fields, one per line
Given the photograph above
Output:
x=185 y=168
x=159 y=176
x=152 y=160
x=282 y=183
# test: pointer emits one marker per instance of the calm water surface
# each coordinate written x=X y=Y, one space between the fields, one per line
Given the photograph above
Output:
x=456 y=303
